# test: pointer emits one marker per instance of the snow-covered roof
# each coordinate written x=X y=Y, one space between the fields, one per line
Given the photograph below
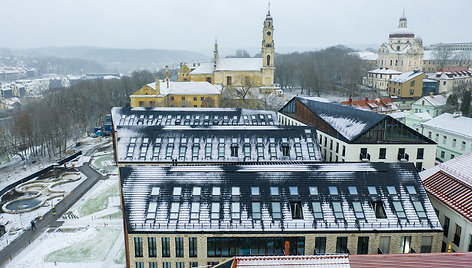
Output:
x=366 y=55
x=458 y=167
x=230 y=64
x=456 y=125
x=399 y=115
x=325 y=261
x=204 y=68
x=239 y=198
x=424 y=116
x=407 y=76
x=436 y=100
x=186 y=88
x=402 y=32
x=385 y=71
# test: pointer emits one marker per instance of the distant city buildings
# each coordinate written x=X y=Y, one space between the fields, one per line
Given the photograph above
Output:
x=383 y=105
x=450 y=77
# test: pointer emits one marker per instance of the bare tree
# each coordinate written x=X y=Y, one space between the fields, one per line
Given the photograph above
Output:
x=442 y=54
x=208 y=102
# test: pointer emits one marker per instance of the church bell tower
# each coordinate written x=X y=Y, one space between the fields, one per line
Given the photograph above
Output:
x=267 y=51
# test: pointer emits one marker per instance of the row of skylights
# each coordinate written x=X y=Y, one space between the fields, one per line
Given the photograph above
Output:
x=319 y=210
x=206 y=120
x=233 y=140
x=292 y=190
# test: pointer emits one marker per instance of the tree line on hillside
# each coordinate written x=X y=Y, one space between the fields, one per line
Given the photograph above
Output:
x=460 y=99
x=44 y=126
x=333 y=69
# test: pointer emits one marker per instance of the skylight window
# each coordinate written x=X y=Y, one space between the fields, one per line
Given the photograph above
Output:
x=274 y=190
x=132 y=141
x=174 y=211
x=399 y=209
x=156 y=151
x=183 y=140
x=247 y=150
x=255 y=191
x=182 y=151
x=313 y=190
x=296 y=210
x=195 y=211
x=158 y=140
x=152 y=207
x=195 y=150
x=130 y=151
x=221 y=150
x=419 y=209
x=352 y=190
x=235 y=191
x=276 y=212
x=260 y=151
x=379 y=210
x=259 y=140
x=247 y=140
x=309 y=140
x=222 y=140
x=216 y=191
x=338 y=210
x=143 y=151
x=146 y=141
x=372 y=190
x=196 y=191
x=391 y=190
x=293 y=190
x=411 y=189
x=215 y=211
x=298 y=150
x=333 y=190
x=272 y=150
x=317 y=211
x=170 y=149
x=177 y=191
x=235 y=210
x=358 y=210
x=256 y=211
x=155 y=191
x=208 y=150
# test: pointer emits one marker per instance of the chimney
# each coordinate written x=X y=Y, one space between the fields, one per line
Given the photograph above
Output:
x=158 y=86
x=457 y=114
x=350 y=100
x=415 y=71
x=167 y=75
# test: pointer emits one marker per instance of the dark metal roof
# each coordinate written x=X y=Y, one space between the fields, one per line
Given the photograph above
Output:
x=192 y=116
x=242 y=198
x=216 y=144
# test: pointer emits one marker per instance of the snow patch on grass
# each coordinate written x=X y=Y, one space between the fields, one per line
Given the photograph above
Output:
x=99 y=201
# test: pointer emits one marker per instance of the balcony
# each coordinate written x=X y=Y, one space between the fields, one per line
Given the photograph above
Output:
x=403 y=157
x=364 y=158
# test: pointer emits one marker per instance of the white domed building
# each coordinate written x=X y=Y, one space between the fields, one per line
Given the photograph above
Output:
x=403 y=52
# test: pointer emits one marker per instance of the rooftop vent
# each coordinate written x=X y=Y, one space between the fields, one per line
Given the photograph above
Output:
x=457 y=114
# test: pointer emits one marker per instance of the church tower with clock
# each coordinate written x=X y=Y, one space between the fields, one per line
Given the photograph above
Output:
x=267 y=52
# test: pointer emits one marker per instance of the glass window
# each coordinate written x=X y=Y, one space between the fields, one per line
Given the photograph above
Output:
x=352 y=190
x=296 y=209
x=411 y=189
x=379 y=210
x=293 y=190
x=193 y=247
x=174 y=211
x=247 y=151
x=177 y=191
x=256 y=210
x=317 y=211
x=384 y=244
x=313 y=190
x=152 y=264
x=391 y=190
x=320 y=245
x=152 y=251
x=358 y=210
x=338 y=211
x=166 y=264
x=155 y=191
x=341 y=245
x=260 y=151
x=276 y=212
x=372 y=190
x=195 y=211
x=216 y=191
x=138 y=246
x=196 y=191
x=235 y=191
x=208 y=151
x=139 y=264
x=363 y=245
x=180 y=264
x=447 y=222
x=179 y=246
x=274 y=190
x=457 y=235
x=165 y=246
x=426 y=242
x=221 y=150
x=333 y=190
x=405 y=244
x=254 y=190
x=399 y=209
x=215 y=211
x=235 y=210
x=419 y=209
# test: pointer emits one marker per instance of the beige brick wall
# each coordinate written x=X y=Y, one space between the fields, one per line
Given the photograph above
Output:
x=202 y=259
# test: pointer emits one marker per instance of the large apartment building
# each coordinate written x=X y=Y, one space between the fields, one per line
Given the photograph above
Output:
x=189 y=216
x=348 y=134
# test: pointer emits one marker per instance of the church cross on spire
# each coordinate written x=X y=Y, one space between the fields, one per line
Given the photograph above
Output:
x=268 y=9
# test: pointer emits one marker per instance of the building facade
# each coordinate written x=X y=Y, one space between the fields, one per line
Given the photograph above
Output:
x=348 y=134
x=450 y=77
x=378 y=78
x=407 y=85
x=195 y=216
x=452 y=133
x=449 y=188
x=432 y=104
x=239 y=72
x=383 y=105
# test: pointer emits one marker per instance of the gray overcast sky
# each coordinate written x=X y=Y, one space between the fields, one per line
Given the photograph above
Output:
x=193 y=24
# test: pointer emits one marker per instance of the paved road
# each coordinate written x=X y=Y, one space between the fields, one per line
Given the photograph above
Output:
x=25 y=239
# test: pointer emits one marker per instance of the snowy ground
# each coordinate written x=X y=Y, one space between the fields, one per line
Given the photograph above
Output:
x=91 y=234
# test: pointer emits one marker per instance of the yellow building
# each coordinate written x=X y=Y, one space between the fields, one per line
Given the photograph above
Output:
x=176 y=94
x=237 y=72
x=407 y=85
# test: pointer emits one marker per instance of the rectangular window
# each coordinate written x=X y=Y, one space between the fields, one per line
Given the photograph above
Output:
x=274 y=190
x=341 y=245
x=165 y=247
x=140 y=264
x=255 y=191
x=405 y=244
x=426 y=242
x=247 y=151
x=138 y=246
x=174 y=211
x=192 y=247
x=285 y=150
x=152 y=247
x=180 y=264
x=457 y=235
x=221 y=150
x=411 y=189
x=234 y=151
x=344 y=151
x=399 y=209
x=454 y=143
x=256 y=211
x=276 y=212
x=463 y=146
x=195 y=211
x=235 y=210
x=447 y=222
x=153 y=265
x=363 y=245
x=352 y=190
x=193 y=264
x=358 y=210
x=320 y=245
x=391 y=190
x=333 y=190
x=228 y=80
x=419 y=153
x=382 y=153
x=179 y=246
x=313 y=190
x=317 y=211
x=444 y=139
x=215 y=211
x=296 y=209
x=384 y=244
x=379 y=210
x=293 y=190
x=338 y=210
x=166 y=265
x=372 y=190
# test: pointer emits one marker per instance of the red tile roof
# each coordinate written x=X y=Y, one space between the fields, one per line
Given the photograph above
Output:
x=456 y=260
x=380 y=105
x=453 y=69
x=452 y=191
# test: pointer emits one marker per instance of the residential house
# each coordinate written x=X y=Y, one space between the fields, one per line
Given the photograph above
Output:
x=407 y=85
x=383 y=105
x=433 y=104
x=378 y=78
x=450 y=77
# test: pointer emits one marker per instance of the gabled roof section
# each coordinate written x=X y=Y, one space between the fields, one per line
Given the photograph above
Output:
x=450 y=123
x=404 y=77
x=240 y=198
x=434 y=100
